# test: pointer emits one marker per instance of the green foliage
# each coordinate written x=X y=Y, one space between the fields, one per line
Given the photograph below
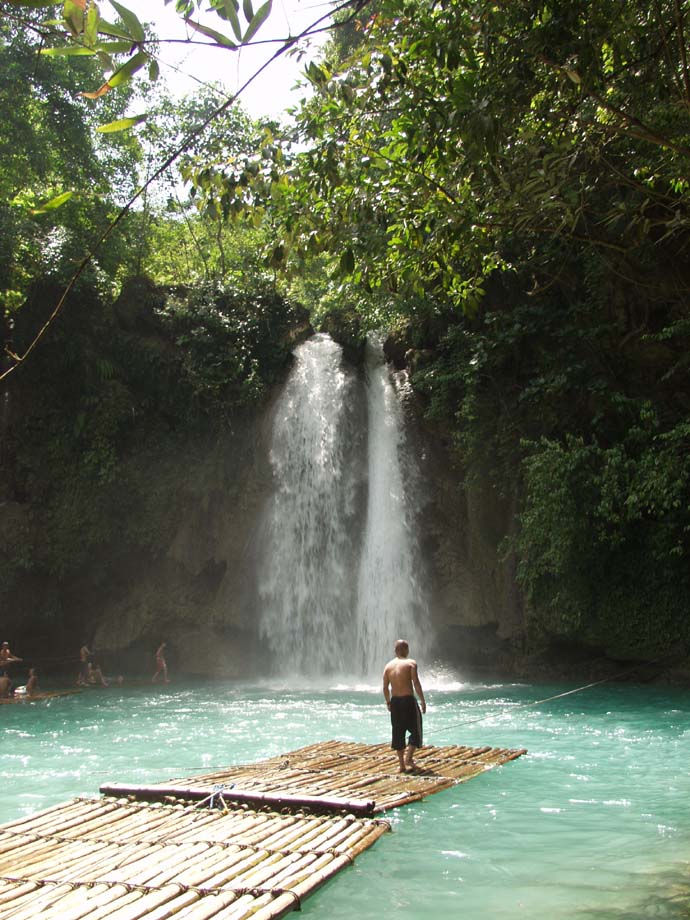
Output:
x=605 y=541
x=113 y=386
x=233 y=345
x=48 y=157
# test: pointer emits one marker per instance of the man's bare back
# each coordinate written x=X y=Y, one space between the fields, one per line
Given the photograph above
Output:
x=400 y=674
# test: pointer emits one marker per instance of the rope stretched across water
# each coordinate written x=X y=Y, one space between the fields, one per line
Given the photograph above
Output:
x=549 y=699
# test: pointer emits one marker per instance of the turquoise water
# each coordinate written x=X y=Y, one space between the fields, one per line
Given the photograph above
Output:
x=593 y=823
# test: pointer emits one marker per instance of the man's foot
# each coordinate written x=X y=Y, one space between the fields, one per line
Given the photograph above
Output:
x=410 y=765
x=402 y=770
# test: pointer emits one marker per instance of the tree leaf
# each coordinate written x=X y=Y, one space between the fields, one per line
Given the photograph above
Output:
x=248 y=11
x=113 y=47
x=122 y=124
x=53 y=203
x=257 y=21
x=67 y=51
x=129 y=68
x=347 y=261
x=91 y=26
x=120 y=76
x=73 y=14
x=217 y=37
x=136 y=30
x=108 y=28
x=229 y=12
x=97 y=93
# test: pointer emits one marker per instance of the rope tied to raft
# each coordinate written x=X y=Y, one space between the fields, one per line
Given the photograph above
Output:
x=216 y=793
x=239 y=892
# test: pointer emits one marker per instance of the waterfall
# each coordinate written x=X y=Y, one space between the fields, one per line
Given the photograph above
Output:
x=306 y=579
x=338 y=576
x=389 y=599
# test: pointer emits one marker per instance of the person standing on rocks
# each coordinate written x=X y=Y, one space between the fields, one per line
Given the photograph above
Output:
x=400 y=683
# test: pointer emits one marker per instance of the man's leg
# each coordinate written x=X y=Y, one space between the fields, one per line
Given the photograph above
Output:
x=409 y=757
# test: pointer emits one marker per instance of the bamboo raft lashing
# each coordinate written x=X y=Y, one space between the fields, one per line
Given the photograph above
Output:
x=161 y=852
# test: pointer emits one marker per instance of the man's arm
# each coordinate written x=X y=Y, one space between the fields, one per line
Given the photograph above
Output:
x=386 y=687
x=418 y=687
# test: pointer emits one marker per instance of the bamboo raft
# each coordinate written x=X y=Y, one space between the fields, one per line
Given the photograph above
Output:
x=248 y=841
x=36 y=697
x=334 y=775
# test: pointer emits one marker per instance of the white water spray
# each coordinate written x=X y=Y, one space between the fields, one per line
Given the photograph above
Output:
x=339 y=577
x=389 y=599
x=306 y=573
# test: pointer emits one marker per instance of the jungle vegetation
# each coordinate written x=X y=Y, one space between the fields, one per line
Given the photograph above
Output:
x=503 y=186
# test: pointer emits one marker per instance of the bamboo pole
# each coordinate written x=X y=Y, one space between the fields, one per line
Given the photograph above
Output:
x=33 y=908
x=203 y=873
x=98 y=902
x=221 y=862
x=81 y=902
x=176 y=907
x=78 y=901
x=147 y=902
x=267 y=873
x=63 y=824
x=15 y=893
x=302 y=830
x=253 y=798
x=47 y=860
x=225 y=904
x=9 y=855
x=20 y=824
x=126 y=818
x=166 y=867
x=50 y=822
x=255 y=828
x=278 y=907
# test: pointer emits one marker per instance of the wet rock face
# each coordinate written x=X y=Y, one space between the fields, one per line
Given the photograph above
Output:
x=199 y=590
x=184 y=567
x=196 y=591
x=475 y=607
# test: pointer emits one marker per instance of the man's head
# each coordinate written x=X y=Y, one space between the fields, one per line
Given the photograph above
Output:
x=402 y=649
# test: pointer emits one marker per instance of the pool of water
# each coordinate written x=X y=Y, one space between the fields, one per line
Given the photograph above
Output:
x=594 y=822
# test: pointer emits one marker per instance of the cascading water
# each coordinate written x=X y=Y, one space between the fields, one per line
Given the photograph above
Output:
x=389 y=599
x=306 y=580
x=337 y=579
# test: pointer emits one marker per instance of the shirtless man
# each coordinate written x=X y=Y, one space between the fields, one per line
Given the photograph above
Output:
x=32 y=682
x=400 y=682
x=84 y=659
x=6 y=656
x=161 y=665
x=94 y=675
x=5 y=685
